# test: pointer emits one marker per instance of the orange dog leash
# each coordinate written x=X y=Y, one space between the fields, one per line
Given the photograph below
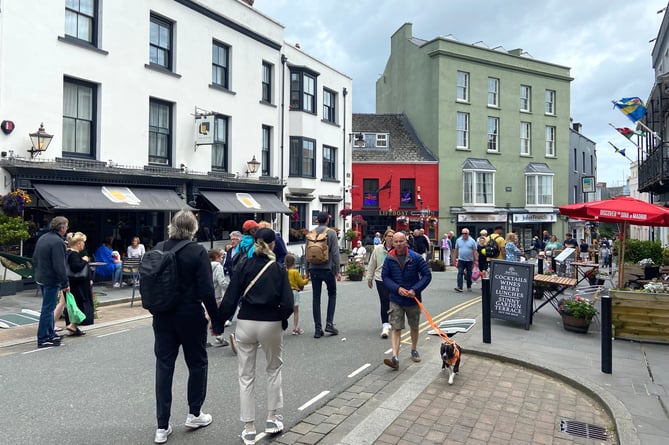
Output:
x=432 y=323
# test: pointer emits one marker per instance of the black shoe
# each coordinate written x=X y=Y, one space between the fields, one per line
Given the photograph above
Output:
x=318 y=333
x=457 y=289
x=56 y=339
x=48 y=344
x=331 y=329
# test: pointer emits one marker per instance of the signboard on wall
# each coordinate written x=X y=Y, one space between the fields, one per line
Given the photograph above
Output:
x=589 y=185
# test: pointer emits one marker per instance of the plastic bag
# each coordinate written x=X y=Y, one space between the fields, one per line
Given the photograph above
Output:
x=74 y=313
x=476 y=273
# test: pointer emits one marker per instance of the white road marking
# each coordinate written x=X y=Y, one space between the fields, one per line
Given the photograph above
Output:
x=359 y=370
x=314 y=400
x=389 y=351
x=113 y=333
x=38 y=350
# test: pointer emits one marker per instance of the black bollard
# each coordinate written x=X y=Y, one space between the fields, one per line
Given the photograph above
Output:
x=596 y=258
x=485 y=309
x=607 y=347
x=540 y=266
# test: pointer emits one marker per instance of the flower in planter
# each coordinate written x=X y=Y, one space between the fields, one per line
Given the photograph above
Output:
x=355 y=269
x=657 y=287
x=437 y=265
x=578 y=307
x=646 y=262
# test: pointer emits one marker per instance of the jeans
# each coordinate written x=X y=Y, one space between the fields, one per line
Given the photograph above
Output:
x=118 y=273
x=384 y=299
x=462 y=267
x=45 y=328
x=318 y=276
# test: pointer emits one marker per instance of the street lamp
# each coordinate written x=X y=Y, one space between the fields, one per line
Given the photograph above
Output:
x=253 y=166
x=40 y=140
x=358 y=139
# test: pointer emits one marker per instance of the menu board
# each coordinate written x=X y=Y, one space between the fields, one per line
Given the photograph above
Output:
x=511 y=291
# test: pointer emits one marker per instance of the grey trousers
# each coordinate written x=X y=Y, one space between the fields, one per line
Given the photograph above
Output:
x=249 y=335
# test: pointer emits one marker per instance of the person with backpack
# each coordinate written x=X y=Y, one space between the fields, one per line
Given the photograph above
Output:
x=176 y=276
x=495 y=245
x=322 y=256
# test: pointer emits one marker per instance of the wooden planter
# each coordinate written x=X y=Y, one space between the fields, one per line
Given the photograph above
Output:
x=640 y=315
x=574 y=324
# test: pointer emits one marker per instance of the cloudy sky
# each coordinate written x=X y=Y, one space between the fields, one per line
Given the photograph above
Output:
x=605 y=43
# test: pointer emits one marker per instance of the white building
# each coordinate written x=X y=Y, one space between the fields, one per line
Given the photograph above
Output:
x=124 y=86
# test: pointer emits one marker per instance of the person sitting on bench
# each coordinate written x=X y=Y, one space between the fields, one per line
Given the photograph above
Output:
x=113 y=267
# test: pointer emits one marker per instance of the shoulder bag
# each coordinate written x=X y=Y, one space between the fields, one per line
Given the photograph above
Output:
x=262 y=271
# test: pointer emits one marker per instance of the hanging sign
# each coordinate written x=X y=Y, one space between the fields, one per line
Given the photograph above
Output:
x=7 y=126
x=204 y=130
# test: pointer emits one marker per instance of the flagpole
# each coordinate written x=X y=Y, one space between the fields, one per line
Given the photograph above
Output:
x=616 y=128
x=619 y=151
x=657 y=136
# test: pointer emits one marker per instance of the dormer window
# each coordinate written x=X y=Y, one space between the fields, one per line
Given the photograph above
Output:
x=375 y=140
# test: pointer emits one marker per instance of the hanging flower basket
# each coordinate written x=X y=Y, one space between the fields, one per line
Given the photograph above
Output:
x=345 y=212
x=13 y=203
x=359 y=219
x=402 y=220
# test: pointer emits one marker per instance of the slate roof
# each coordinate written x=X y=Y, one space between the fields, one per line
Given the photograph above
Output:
x=403 y=142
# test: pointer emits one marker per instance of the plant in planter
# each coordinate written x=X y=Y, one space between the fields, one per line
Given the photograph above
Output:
x=650 y=269
x=355 y=271
x=576 y=313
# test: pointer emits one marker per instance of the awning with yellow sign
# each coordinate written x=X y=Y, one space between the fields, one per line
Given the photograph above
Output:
x=107 y=197
x=231 y=202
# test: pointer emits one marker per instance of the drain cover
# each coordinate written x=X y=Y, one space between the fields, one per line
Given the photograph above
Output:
x=581 y=429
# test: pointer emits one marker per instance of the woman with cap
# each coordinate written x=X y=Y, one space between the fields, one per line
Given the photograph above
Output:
x=266 y=304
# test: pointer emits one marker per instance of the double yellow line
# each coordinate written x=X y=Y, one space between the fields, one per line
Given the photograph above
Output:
x=425 y=326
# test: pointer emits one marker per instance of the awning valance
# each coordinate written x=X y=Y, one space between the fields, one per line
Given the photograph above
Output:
x=106 y=197
x=232 y=202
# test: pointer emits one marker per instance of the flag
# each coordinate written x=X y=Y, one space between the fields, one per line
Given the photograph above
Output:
x=632 y=107
x=628 y=132
x=619 y=150
x=387 y=185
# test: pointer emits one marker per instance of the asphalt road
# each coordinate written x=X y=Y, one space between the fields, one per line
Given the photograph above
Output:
x=98 y=389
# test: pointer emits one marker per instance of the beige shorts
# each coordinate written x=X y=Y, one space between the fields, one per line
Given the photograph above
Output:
x=396 y=316
x=296 y=298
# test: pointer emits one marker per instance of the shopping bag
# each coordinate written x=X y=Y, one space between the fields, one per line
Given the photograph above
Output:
x=75 y=314
x=476 y=273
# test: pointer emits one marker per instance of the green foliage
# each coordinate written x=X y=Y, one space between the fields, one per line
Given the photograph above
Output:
x=351 y=234
x=636 y=251
x=12 y=230
x=665 y=257
x=355 y=269
x=578 y=307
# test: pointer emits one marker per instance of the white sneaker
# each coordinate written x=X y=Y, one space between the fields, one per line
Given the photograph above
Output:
x=227 y=323
x=193 y=422
x=220 y=341
x=117 y=285
x=161 y=434
x=385 y=331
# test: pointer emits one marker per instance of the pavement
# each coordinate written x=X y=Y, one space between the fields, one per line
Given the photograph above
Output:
x=543 y=385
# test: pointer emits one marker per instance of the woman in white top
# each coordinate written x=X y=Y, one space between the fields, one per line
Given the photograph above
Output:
x=135 y=249
x=359 y=253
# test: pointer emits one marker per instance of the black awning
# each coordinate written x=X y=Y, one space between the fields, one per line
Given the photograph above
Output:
x=231 y=202
x=88 y=197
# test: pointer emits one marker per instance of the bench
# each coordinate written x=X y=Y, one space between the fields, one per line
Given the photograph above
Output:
x=20 y=265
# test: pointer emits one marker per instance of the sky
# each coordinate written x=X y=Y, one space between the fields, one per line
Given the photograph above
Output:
x=607 y=45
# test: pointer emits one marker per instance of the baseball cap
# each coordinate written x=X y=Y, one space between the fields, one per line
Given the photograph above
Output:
x=249 y=225
x=265 y=234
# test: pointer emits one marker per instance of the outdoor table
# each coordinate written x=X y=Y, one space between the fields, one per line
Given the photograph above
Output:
x=581 y=269
x=560 y=284
x=95 y=264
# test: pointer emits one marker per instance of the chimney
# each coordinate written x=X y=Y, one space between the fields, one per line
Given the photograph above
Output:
x=516 y=52
x=249 y=2
x=576 y=126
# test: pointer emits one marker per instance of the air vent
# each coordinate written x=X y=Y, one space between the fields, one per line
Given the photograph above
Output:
x=581 y=429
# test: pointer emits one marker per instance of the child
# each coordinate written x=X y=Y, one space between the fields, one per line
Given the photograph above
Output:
x=220 y=285
x=297 y=283
x=605 y=255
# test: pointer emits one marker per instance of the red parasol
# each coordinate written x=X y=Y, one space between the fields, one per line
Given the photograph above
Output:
x=621 y=210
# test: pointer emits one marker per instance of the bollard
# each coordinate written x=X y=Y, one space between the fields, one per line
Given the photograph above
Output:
x=485 y=309
x=596 y=257
x=607 y=347
x=540 y=266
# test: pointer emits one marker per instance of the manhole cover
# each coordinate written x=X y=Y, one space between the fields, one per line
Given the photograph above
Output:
x=581 y=429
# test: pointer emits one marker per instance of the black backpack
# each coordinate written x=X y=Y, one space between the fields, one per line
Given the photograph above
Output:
x=159 y=282
x=491 y=248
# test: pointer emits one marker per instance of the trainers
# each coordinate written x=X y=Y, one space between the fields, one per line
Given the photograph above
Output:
x=392 y=362
x=415 y=356
x=48 y=344
x=385 y=331
x=227 y=323
x=233 y=344
x=117 y=285
x=298 y=331
x=469 y=289
x=161 y=434
x=331 y=329
x=193 y=422
x=458 y=289
x=249 y=437
x=273 y=426
x=318 y=333
x=220 y=341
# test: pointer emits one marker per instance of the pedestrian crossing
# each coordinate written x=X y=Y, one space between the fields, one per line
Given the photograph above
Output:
x=26 y=316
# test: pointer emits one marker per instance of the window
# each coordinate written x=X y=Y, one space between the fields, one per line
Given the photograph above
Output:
x=575 y=161
x=462 y=130
x=550 y=102
x=329 y=162
x=219 y=149
x=298 y=222
x=81 y=20
x=370 y=193
x=525 y=138
x=160 y=48
x=375 y=140
x=302 y=157
x=407 y=193
x=79 y=117
x=478 y=187
x=550 y=141
x=525 y=96
x=220 y=57
x=302 y=91
x=160 y=131
x=539 y=190
x=463 y=86
x=493 y=134
x=493 y=92
x=329 y=101
x=330 y=209
x=267 y=82
x=266 y=150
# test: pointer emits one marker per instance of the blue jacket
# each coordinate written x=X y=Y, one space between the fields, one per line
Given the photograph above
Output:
x=414 y=275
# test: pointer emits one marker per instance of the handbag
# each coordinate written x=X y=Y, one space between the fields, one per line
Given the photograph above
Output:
x=75 y=314
x=476 y=272
x=83 y=273
x=253 y=281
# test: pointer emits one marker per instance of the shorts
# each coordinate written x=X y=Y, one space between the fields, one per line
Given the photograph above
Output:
x=397 y=312
x=296 y=298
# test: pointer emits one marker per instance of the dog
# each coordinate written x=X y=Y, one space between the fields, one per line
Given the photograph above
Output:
x=450 y=358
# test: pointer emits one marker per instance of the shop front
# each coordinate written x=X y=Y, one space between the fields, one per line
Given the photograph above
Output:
x=476 y=222
x=529 y=225
x=405 y=220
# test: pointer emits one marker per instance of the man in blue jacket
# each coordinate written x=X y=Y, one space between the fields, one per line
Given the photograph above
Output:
x=406 y=274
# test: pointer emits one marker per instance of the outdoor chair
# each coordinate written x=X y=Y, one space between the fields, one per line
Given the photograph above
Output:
x=130 y=272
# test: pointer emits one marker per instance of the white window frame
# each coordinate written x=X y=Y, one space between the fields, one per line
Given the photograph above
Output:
x=478 y=188
x=493 y=92
x=550 y=141
x=493 y=134
x=550 y=102
x=462 y=91
x=462 y=130
x=525 y=138
x=526 y=98
x=539 y=190
x=382 y=140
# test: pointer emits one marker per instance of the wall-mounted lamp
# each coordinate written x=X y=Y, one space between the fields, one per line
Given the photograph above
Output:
x=40 y=140
x=358 y=139
x=253 y=166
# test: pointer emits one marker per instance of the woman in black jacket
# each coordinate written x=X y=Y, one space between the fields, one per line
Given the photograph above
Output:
x=79 y=276
x=266 y=304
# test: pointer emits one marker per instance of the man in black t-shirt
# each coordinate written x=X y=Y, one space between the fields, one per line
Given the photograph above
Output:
x=420 y=244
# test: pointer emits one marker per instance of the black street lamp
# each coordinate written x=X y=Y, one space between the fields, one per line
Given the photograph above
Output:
x=40 y=140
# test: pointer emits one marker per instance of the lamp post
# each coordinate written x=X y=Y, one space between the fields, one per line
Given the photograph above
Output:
x=40 y=141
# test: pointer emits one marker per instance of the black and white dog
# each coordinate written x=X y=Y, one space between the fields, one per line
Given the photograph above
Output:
x=450 y=358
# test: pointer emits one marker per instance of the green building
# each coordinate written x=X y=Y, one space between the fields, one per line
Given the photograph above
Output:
x=499 y=121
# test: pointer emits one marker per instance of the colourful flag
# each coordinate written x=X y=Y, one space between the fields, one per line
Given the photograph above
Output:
x=627 y=132
x=632 y=107
x=387 y=184
x=619 y=150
